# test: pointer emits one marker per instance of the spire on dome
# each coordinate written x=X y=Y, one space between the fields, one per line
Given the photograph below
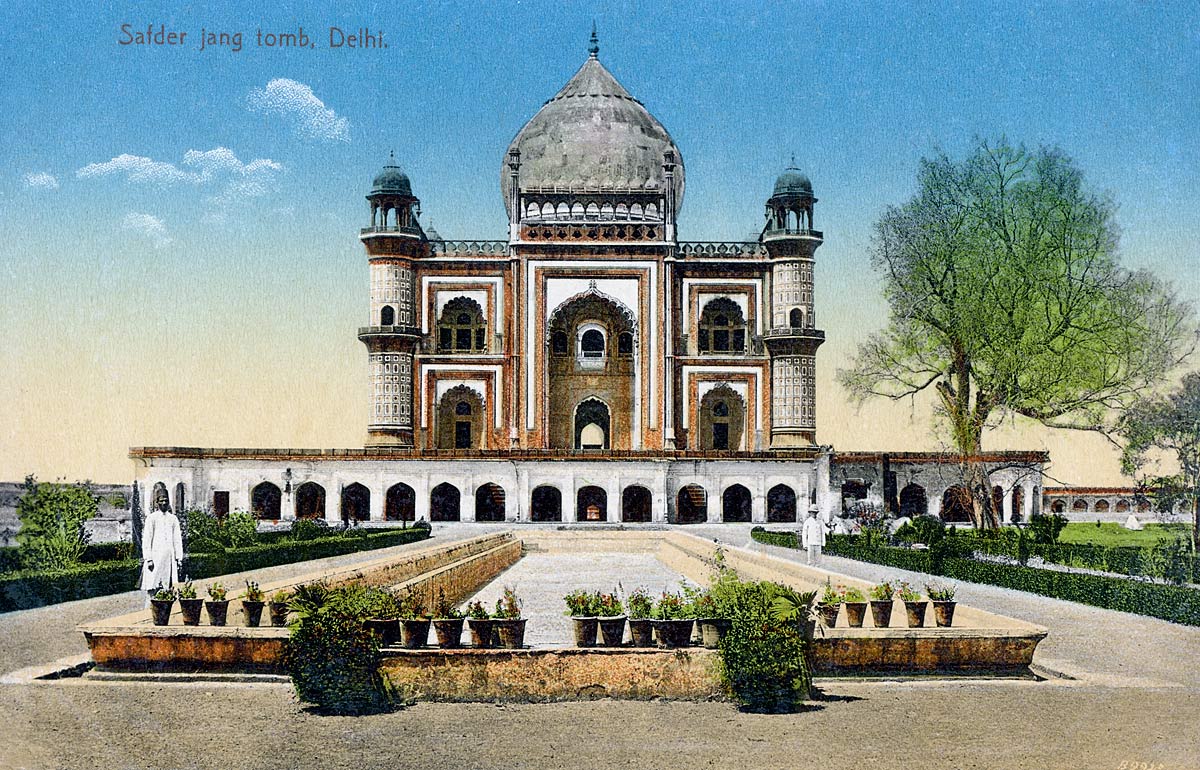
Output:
x=594 y=48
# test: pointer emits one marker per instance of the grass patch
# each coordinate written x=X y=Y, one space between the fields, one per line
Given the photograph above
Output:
x=1111 y=534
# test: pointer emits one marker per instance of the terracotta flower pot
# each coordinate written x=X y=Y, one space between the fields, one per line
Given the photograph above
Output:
x=881 y=612
x=414 y=632
x=673 y=633
x=448 y=632
x=511 y=632
x=943 y=613
x=855 y=612
x=916 y=613
x=481 y=632
x=642 y=631
x=191 y=611
x=217 y=611
x=828 y=613
x=612 y=631
x=712 y=631
x=387 y=628
x=252 y=612
x=160 y=611
x=585 y=630
x=279 y=613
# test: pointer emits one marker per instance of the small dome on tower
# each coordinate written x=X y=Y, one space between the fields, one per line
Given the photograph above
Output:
x=792 y=182
x=391 y=180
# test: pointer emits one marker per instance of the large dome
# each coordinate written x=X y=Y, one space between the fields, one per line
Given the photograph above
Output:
x=593 y=135
x=391 y=180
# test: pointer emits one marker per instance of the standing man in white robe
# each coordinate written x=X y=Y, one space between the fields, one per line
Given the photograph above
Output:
x=162 y=546
x=813 y=537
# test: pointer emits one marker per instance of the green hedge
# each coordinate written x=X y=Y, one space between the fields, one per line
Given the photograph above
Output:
x=27 y=588
x=1174 y=603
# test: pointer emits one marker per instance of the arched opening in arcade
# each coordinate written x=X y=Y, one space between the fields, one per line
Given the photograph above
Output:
x=691 y=505
x=736 y=504
x=545 y=504
x=444 y=502
x=636 y=504
x=266 y=501
x=781 y=504
x=956 y=505
x=310 y=501
x=853 y=491
x=591 y=504
x=913 y=501
x=1079 y=506
x=1058 y=506
x=356 y=503
x=400 y=503
x=998 y=502
x=1017 y=504
x=489 y=503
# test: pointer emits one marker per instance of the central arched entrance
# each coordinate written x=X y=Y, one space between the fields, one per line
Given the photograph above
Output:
x=591 y=504
x=591 y=424
x=591 y=367
x=400 y=503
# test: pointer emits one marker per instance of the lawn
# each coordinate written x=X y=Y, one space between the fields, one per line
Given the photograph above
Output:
x=1110 y=534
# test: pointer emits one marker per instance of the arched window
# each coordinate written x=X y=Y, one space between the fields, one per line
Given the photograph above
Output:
x=460 y=423
x=722 y=328
x=796 y=318
x=722 y=419
x=387 y=316
x=625 y=344
x=591 y=344
x=558 y=343
x=592 y=422
x=462 y=328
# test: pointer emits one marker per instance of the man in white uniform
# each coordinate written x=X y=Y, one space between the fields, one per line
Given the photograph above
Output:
x=162 y=546
x=813 y=537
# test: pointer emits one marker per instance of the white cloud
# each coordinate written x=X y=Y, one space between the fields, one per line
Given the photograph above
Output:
x=136 y=168
x=297 y=103
x=148 y=226
x=41 y=181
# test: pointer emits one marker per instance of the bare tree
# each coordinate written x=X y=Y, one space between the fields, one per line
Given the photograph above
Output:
x=1006 y=296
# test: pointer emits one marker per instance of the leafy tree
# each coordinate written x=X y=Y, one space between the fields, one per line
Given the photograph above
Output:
x=1006 y=297
x=52 y=516
x=1171 y=424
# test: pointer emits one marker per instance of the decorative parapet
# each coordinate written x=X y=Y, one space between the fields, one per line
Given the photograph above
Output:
x=469 y=248
x=721 y=250
x=391 y=230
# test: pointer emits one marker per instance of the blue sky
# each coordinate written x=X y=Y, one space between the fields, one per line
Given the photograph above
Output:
x=221 y=252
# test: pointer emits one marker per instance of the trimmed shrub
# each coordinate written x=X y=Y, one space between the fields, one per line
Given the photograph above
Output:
x=334 y=661
x=762 y=660
x=309 y=529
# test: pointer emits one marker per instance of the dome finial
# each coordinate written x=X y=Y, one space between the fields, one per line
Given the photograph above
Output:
x=594 y=48
x=793 y=165
x=392 y=156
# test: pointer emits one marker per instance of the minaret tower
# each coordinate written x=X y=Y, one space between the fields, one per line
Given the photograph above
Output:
x=393 y=241
x=792 y=339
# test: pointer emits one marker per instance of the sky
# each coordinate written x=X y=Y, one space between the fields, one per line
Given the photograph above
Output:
x=178 y=227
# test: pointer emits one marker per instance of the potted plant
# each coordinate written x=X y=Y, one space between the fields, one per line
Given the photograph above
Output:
x=252 y=603
x=709 y=621
x=279 y=606
x=581 y=606
x=217 y=606
x=914 y=605
x=671 y=624
x=414 y=622
x=827 y=608
x=612 y=620
x=383 y=612
x=856 y=606
x=640 y=606
x=190 y=604
x=509 y=624
x=160 y=606
x=480 y=624
x=943 y=603
x=447 y=622
x=881 y=604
